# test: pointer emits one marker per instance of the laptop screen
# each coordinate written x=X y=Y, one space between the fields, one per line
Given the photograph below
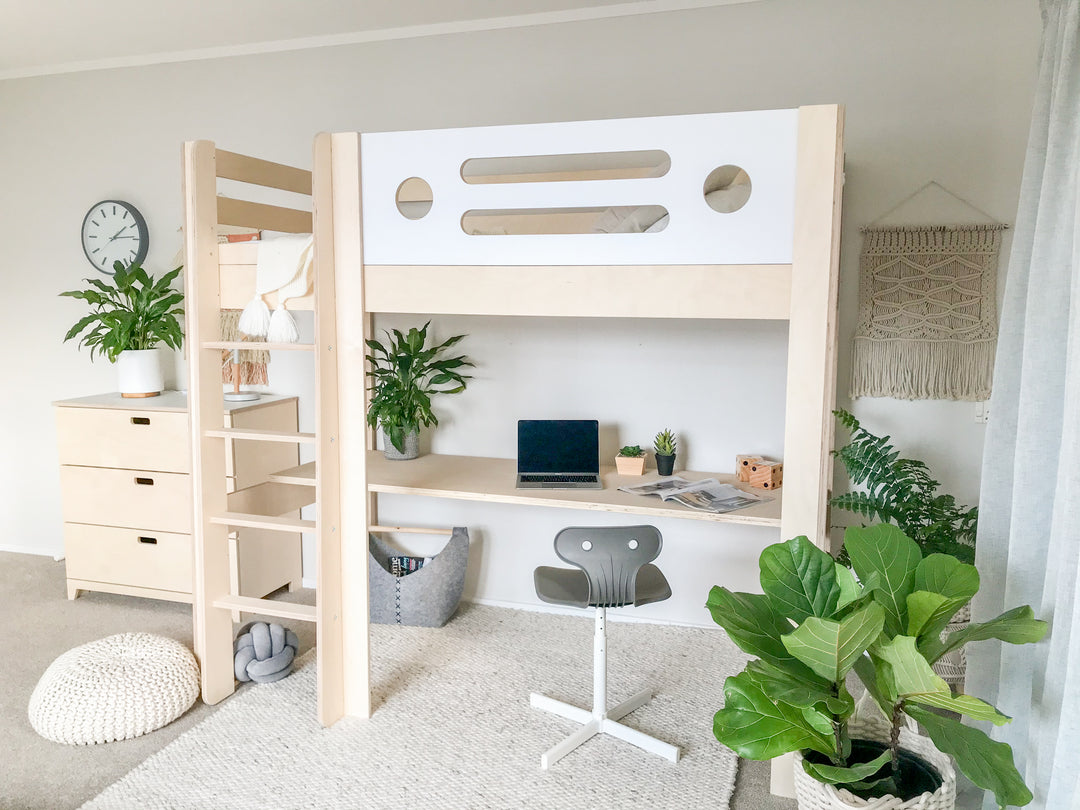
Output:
x=558 y=446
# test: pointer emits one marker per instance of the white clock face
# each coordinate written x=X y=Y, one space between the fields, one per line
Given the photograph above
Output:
x=114 y=231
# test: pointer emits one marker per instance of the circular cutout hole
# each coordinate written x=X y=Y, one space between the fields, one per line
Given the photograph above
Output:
x=633 y=544
x=727 y=188
x=586 y=545
x=414 y=198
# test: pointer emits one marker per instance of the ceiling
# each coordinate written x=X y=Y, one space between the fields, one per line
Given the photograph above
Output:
x=40 y=37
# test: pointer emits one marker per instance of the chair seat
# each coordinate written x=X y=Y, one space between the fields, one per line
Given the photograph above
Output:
x=570 y=586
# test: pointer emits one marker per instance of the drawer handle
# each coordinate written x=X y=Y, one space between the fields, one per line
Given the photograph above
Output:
x=148 y=540
x=146 y=482
x=140 y=420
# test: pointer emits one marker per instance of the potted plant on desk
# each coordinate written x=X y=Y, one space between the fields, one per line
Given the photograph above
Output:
x=631 y=460
x=405 y=373
x=130 y=315
x=664 y=446
x=815 y=622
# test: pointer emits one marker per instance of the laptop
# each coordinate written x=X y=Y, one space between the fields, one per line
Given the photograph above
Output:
x=558 y=454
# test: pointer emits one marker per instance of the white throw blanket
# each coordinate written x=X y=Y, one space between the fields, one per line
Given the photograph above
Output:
x=284 y=266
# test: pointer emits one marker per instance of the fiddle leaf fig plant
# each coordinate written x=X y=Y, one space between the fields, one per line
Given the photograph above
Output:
x=129 y=311
x=818 y=620
x=405 y=373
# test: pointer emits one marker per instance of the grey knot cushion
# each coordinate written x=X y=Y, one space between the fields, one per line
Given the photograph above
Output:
x=264 y=652
x=119 y=687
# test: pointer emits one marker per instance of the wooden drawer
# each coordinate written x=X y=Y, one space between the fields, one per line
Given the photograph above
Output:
x=127 y=439
x=130 y=498
x=128 y=557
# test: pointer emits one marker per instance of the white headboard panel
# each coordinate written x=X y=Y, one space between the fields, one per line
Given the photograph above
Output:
x=762 y=143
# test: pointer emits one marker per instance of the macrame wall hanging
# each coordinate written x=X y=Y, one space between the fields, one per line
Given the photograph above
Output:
x=927 y=316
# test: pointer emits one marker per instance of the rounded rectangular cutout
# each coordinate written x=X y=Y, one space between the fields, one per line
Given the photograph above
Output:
x=561 y=221
x=634 y=165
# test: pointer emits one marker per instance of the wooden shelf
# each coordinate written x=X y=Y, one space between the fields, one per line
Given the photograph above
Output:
x=304 y=475
x=474 y=478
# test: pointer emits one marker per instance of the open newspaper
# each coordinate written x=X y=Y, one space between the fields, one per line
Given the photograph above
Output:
x=708 y=494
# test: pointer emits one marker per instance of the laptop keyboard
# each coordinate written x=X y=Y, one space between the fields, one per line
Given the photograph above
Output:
x=543 y=478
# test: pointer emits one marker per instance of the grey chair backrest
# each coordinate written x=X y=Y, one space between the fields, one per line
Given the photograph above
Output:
x=611 y=557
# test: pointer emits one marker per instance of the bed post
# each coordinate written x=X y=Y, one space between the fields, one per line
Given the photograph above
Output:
x=352 y=327
x=213 y=626
x=811 y=374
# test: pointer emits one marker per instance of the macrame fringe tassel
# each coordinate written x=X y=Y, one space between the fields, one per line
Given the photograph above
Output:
x=282 y=328
x=252 y=361
x=255 y=319
x=917 y=369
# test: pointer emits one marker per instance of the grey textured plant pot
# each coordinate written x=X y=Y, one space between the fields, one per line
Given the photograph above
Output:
x=665 y=465
x=412 y=447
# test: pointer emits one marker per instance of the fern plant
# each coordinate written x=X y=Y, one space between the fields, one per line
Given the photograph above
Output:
x=901 y=491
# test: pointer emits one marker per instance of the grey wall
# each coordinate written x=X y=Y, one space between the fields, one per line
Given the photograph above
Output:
x=933 y=90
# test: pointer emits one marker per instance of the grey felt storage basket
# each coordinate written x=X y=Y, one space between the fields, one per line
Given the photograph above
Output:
x=426 y=597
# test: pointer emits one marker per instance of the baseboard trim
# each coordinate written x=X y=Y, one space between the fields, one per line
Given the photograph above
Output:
x=56 y=554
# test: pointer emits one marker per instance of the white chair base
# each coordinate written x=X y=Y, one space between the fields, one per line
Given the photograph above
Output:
x=600 y=720
x=592 y=725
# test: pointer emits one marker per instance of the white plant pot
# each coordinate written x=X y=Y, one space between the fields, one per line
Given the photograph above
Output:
x=138 y=373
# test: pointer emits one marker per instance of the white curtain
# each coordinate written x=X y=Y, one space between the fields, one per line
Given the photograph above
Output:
x=1028 y=548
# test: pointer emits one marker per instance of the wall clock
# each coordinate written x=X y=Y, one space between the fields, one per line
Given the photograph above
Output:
x=113 y=231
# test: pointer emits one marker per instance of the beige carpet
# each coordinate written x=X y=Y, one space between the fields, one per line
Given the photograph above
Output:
x=453 y=727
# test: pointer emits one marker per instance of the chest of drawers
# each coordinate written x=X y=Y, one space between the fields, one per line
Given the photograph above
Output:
x=127 y=495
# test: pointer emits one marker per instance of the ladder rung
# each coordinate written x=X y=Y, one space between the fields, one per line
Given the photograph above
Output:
x=275 y=524
x=261 y=435
x=261 y=346
x=267 y=607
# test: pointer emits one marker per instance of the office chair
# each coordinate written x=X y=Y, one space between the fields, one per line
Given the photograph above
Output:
x=613 y=570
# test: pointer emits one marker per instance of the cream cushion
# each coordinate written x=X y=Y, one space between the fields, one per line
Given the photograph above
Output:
x=114 y=689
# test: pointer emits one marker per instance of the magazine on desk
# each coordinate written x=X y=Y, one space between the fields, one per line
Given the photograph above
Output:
x=706 y=495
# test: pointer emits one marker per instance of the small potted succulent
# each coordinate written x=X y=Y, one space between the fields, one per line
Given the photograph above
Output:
x=664 y=446
x=631 y=460
x=131 y=313
x=818 y=620
x=405 y=373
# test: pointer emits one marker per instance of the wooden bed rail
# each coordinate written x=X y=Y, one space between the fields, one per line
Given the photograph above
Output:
x=409 y=530
x=247 y=214
x=245 y=169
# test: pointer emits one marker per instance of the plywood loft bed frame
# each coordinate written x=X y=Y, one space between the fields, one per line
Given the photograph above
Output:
x=775 y=258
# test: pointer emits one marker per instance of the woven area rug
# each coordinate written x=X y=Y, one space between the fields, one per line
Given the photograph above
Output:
x=452 y=726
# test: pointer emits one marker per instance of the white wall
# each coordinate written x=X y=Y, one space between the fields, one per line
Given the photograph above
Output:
x=933 y=91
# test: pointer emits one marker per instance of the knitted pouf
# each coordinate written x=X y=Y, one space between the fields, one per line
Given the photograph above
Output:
x=114 y=689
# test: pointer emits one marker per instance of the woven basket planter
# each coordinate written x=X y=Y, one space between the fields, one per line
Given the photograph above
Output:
x=868 y=724
x=952 y=667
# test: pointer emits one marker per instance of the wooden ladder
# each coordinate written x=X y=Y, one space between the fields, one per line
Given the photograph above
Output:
x=265 y=505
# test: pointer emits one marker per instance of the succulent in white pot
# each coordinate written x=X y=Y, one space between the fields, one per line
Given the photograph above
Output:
x=131 y=314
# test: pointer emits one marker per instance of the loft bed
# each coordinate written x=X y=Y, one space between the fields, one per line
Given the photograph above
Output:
x=528 y=220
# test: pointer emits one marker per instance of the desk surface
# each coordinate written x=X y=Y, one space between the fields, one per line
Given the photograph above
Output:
x=492 y=479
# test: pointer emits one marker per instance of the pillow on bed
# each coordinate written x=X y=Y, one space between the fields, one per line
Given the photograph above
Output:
x=631 y=219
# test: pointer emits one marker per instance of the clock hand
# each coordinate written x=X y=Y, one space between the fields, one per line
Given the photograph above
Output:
x=113 y=237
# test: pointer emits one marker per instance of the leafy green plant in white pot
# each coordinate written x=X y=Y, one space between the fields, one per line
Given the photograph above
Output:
x=405 y=373
x=131 y=314
x=818 y=620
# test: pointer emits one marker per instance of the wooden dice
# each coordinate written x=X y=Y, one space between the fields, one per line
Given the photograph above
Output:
x=766 y=474
x=742 y=466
